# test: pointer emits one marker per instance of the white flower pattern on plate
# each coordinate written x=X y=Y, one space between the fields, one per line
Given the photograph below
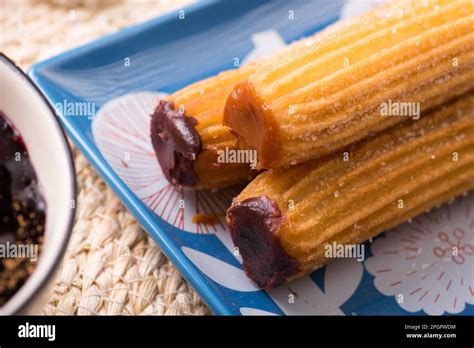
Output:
x=430 y=261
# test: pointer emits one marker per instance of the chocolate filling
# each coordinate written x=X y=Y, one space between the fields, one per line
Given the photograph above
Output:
x=254 y=223
x=176 y=142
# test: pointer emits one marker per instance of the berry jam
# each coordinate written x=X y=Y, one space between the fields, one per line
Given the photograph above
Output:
x=22 y=209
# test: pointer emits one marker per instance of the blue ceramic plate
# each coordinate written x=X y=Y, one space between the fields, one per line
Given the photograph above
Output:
x=104 y=92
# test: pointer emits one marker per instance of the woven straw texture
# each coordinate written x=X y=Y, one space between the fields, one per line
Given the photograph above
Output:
x=111 y=266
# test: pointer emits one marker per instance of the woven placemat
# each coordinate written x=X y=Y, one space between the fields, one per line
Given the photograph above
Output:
x=111 y=266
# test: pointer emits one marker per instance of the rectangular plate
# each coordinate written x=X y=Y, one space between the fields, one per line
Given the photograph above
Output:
x=184 y=46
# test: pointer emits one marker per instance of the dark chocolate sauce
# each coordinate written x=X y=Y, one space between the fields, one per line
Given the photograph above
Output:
x=176 y=142
x=254 y=224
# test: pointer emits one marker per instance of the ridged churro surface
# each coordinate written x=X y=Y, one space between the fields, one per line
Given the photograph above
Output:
x=374 y=185
x=326 y=91
x=203 y=103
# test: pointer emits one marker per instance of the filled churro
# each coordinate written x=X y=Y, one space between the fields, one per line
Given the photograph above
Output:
x=283 y=219
x=326 y=91
x=187 y=134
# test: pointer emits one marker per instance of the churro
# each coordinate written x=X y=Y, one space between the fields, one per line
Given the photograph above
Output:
x=326 y=92
x=187 y=134
x=283 y=219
